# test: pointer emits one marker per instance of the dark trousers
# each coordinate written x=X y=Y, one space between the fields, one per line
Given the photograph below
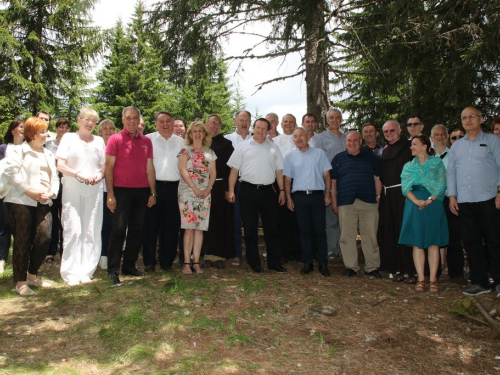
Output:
x=31 y=227
x=56 y=224
x=107 y=220
x=265 y=201
x=289 y=233
x=480 y=222
x=237 y=221
x=131 y=204
x=162 y=219
x=4 y=231
x=455 y=252
x=310 y=214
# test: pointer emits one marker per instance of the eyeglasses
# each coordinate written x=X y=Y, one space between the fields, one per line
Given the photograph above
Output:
x=389 y=131
x=470 y=117
x=454 y=138
x=214 y=123
x=89 y=120
x=413 y=124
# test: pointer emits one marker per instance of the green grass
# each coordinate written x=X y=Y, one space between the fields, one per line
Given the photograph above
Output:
x=238 y=339
x=253 y=285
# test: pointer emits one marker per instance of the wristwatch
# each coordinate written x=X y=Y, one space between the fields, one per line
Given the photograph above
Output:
x=154 y=195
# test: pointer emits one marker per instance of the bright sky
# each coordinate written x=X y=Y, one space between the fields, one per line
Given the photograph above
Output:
x=279 y=97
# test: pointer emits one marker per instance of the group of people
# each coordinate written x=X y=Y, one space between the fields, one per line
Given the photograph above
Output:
x=414 y=202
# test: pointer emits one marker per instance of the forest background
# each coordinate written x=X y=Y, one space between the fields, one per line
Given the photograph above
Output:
x=374 y=60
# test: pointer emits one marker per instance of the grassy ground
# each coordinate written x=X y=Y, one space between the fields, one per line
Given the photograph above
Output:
x=234 y=321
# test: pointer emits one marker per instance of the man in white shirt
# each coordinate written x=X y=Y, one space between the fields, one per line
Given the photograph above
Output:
x=163 y=219
x=274 y=120
x=259 y=164
x=242 y=120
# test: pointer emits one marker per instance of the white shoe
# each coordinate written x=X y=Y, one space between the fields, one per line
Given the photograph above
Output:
x=2 y=266
x=24 y=290
x=103 y=263
x=38 y=282
x=85 y=280
x=73 y=282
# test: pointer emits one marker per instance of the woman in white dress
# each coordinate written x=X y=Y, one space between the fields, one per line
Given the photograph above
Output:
x=81 y=159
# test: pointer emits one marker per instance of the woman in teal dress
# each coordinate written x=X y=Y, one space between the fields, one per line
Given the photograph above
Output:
x=423 y=182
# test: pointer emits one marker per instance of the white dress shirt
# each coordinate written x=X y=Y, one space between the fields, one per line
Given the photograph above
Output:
x=165 y=156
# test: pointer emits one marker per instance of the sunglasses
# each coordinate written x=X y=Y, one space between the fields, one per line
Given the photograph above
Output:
x=455 y=137
x=389 y=131
x=413 y=124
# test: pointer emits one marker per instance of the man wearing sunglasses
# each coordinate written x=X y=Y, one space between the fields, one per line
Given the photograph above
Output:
x=455 y=135
x=395 y=259
x=414 y=125
x=473 y=177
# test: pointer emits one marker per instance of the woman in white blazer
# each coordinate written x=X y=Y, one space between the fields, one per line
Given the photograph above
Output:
x=31 y=170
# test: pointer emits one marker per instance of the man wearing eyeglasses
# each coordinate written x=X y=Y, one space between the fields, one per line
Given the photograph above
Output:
x=473 y=177
x=395 y=259
x=218 y=241
x=131 y=185
x=163 y=220
x=414 y=125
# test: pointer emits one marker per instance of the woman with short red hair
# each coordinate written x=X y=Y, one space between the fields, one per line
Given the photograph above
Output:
x=31 y=170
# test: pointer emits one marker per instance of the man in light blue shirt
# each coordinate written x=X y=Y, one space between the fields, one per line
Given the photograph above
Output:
x=310 y=170
x=473 y=177
x=332 y=141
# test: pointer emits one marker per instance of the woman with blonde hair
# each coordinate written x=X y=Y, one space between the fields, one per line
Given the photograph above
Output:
x=198 y=173
x=81 y=159
x=31 y=170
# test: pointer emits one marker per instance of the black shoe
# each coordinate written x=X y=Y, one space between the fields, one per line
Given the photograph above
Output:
x=257 y=268
x=113 y=279
x=167 y=268
x=323 y=269
x=207 y=264
x=308 y=267
x=349 y=273
x=374 y=274
x=148 y=269
x=132 y=272
x=219 y=264
x=278 y=268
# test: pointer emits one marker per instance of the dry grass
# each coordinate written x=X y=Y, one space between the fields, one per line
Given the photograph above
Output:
x=234 y=321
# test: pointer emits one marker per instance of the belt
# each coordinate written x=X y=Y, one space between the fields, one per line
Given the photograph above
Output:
x=389 y=187
x=258 y=187
x=167 y=182
x=308 y=192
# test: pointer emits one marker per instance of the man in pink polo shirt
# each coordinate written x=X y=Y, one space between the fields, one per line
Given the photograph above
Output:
x=131 y=184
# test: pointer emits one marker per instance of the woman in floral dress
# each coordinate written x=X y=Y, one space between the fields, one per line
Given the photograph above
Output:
x=197 y=169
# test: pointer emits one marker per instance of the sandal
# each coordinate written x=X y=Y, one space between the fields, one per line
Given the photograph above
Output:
x=398 y=278
x=419 y=286
x=235 y=262
x=49 y=258
x=197 y=270
x=24 y=290
x=434 y=288
x=411 y=280
x=188 y=270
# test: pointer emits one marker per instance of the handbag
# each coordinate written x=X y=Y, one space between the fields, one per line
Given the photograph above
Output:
x=5 y=184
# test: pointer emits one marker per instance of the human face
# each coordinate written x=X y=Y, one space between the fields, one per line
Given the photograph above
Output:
x=142 y=125
x=165 y=125
x=392 y=132
x=370 y=135
x=39 y=139
x=18 y=132
x=334 y=119
x=260 y=131
x=274 y=123
x=213 y=125
x=471 y=120
x=353 y=143
x=44 y=117
x=439 y=137
x=197 y=134
x=107 y=131
x=417 y=147
x=456 y=135
x=414 y=126
x=288 y=123
x=179 y=128
x=87 y=122
x=61 y=130
x=300 y=139
x=242 y=123
x=309 y=124
x=131 y=120
x=496 y=129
